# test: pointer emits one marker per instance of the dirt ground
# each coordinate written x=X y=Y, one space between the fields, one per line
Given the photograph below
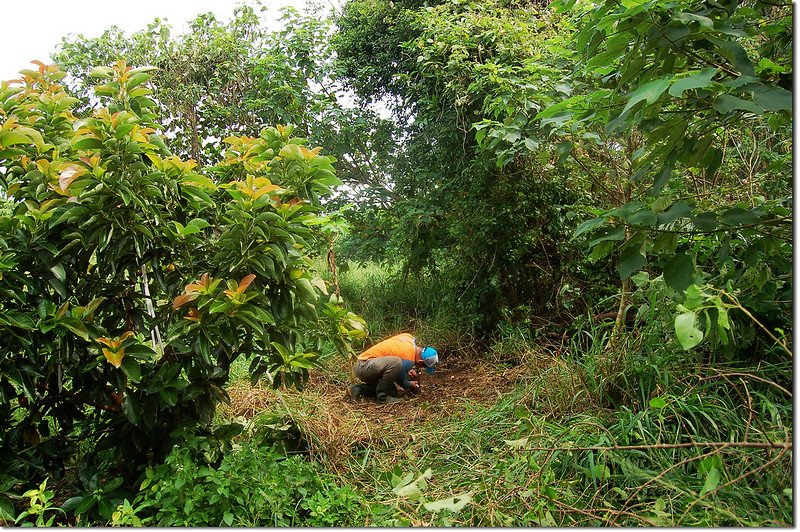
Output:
x=441 y=393
x=334 y=425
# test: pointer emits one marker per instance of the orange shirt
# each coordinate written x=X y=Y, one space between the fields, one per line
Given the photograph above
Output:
x=400 y=345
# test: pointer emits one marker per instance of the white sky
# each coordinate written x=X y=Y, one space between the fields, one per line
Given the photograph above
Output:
x=32 y=29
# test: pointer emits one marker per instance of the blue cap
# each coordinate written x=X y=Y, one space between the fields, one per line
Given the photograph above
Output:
x=431 y=357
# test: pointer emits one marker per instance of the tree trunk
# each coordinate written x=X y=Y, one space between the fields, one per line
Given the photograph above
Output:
x=332 y=266
x=623 y=303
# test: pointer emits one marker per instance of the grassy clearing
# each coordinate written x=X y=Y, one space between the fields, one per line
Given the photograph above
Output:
x=565 y=433
x=539 y=448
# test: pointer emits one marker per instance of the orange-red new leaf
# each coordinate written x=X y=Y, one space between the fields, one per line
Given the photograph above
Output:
x=245 y=282
x=182 y=299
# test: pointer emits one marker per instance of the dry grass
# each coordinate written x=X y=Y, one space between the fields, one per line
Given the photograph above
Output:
x=335 y=427
x=247 y=401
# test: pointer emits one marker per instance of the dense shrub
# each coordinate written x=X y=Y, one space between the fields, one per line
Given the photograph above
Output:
x=251 y=486
x=131 y=280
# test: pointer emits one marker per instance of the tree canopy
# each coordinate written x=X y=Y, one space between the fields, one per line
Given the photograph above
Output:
x=596 y=196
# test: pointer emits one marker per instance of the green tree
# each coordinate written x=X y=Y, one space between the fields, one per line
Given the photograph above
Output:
x=233 y=77
x=675 y=88
x=132 y=280
x=495 y=219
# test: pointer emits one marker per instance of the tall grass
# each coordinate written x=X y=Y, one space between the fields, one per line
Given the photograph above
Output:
x=419 y=303
x=638 y=434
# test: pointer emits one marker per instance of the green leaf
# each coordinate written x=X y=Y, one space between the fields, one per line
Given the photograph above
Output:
x=644 y=217
x=699 y=80
x=84 y=505
x=773 y=99
x=704 y=22
x=139 y=351
x=307 y=289
x=86 y=143
x=169 y=396
x=137 y=79
x=409 y=491
x=131 y=409
x=679 y=209
x=146 y=68
x=319 y=283
x=686 y=331
x=75 y=326
x=220 y=306
x=101 y=72
x=710 y=160
x=679 y=272
x=413 y=490
x=199 y=180
x=7 y=512
x=661 y=203
x=601 y=250
x=189 y=230
x=10 y=138
x=601 y=472
x=556 y=108
x=132 y=368
x=736 y=54
x=18 y=320
x=658 y=402
x=694 y=297
x=649 y=92
x=531 y=144
x=706 y=221
x=454 y=504
x=588 y=225
x=58 y=271
x=712 y=481
x=104 y=508
x=725 y=103
x=723 y=322
x=291 y=151
x=228 y=519
x=738 y=216
x=563 y=148
x=630 y=260
x=199 y=223
x=609 y=233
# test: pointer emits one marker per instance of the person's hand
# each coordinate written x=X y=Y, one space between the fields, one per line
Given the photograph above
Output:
x=414 y=387
x=412 y=373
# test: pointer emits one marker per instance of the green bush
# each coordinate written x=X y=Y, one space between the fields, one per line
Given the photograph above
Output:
x=252 y=486
x=131 y=280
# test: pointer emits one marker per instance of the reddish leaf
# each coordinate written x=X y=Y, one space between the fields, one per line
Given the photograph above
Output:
x=182 y=299
x=244 y=283
x=115 y=357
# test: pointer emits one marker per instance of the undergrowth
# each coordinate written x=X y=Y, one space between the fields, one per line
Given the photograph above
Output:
x=704 y=453
x=593 y=432
x=691 y=445
x=419 y=303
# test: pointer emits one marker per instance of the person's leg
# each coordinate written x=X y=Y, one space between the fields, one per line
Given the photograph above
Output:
x=362 y=389
x=380 y=372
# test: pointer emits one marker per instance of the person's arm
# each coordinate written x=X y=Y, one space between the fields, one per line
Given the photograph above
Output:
x=402 y=377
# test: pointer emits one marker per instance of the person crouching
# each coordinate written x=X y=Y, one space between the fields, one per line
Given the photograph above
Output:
x=389 y=362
